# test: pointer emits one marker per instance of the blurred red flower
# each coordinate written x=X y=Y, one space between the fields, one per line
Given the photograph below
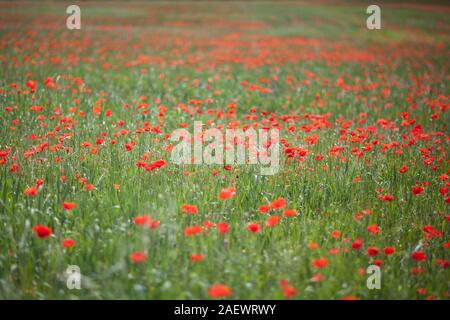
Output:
x=418 y=256
x=219 y=290
x=68 y=205
x=416 y=190
x=279 y=203
x=227 y=193
x=68 y=243
x=138 y=257
x=42 y=231
x=192 y=230
x=320 y=263
x=188 y=208
x=372 y=251
x=222 y=227
x=272 y=221
x=31 y=191
x=253 y=227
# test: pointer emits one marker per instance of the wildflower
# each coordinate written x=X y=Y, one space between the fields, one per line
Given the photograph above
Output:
x=418 y=256
x=356 y=245
x=42 y=231
x=430 y=231
x=372 y=251
x=272 y=221
x=335 y=234
x=222 y=227
x=188 y=208
x=31 y=191
x=316 y=278
x=227 y=193
x=152 y=224
x=313 y=245
x=89 y=187
x=320 y=263
x=140 y=220
x=138 y=257
x=219 y=290
x=373 y=228
x=416 y=190
x=253 y=227
x=263 y=208
x=289 y=212
x=192 y=230
x=68 y=243
x=196 y=257
x=279 y=203
x=68 y=205
x=288 y=290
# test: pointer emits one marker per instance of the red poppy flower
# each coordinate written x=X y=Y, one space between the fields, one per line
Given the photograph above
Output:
x=196 y=257
x=373 y=228
x=421 y=291
x=289 y=212
x=89 y=187
x=388 y=251
x=430 y=231
x=403 y=169
x=140 y=220
x=372 y=251
x=31 y=191
x=357 y=244
x=152 y=224
x=227 y=193
x=192 y=230
x=416 y=190
x=288 y=291
x=68 y=243
x=320 y=263
x=68 y=205
x=263 y=208
x=378 y=262
x=417 y=270
x=188 y=208
x=444 y=263
x=313 y=245
x=418 y=256
x=42 y=231
x=335 y=234
x=207 y=224
x=222 y=227
x=316 y=278
x=279 y=203
x=155 y=165
x=272 y=221
x=219 y=290
x=138 y=257
x=253 y=227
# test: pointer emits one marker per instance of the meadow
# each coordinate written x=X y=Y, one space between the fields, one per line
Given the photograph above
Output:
x=86 y=178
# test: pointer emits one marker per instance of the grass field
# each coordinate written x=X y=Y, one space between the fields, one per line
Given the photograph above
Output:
x=364 y=125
